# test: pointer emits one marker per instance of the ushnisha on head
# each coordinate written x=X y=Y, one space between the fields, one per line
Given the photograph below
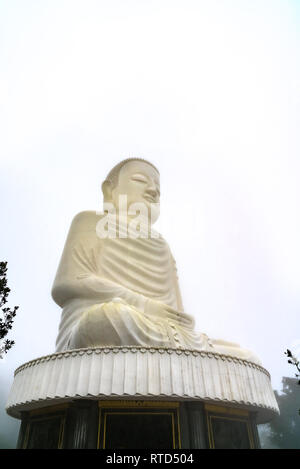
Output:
x=138 y=180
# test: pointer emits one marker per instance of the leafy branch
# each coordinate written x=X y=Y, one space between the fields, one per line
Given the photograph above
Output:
x=8 y=313
x=295 y=362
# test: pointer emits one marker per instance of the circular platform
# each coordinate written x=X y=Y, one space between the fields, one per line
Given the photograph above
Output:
x=142 y=373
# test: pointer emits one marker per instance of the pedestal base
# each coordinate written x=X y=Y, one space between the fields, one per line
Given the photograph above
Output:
x=130 y=397
x=85 y=424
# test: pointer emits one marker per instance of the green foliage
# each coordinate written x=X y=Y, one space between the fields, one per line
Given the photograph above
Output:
x=285 y=429
x=8 y=313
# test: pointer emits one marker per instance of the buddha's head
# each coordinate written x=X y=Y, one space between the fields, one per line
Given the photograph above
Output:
x=136 y=178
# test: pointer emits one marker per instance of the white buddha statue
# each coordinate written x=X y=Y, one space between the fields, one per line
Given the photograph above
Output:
x=119 y=287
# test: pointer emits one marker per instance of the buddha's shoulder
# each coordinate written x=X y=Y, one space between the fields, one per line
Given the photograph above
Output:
x=86 y=220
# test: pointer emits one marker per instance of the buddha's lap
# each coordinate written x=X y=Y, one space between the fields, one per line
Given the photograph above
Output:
x=118 y=323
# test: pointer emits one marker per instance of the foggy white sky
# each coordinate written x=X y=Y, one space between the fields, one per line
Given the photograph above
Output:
x=206 y=90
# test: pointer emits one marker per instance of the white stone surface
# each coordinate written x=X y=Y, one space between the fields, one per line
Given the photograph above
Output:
x=142 y=373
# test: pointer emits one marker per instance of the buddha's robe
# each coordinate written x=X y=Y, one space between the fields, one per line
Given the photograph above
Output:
x=105 y=285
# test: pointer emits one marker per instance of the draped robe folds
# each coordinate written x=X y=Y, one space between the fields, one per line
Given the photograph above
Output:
x=104 y=286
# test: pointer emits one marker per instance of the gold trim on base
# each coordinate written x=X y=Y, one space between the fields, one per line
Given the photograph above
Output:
x=227 y=413
x=61 y=417
x=147 y=405
x=49 y=409
x=137 y=403
x=226 y=410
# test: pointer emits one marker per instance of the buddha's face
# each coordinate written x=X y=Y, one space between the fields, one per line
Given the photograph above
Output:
x=139 y=181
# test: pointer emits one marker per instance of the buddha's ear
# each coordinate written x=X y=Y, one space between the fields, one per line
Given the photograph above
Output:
x=107 y=191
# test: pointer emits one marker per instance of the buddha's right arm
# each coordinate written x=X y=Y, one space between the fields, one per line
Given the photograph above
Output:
x=93 y=287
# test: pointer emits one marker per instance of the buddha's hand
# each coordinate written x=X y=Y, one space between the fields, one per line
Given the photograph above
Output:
x=160 y=310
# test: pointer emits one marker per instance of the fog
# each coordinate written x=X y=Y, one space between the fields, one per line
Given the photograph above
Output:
x=209 y=92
